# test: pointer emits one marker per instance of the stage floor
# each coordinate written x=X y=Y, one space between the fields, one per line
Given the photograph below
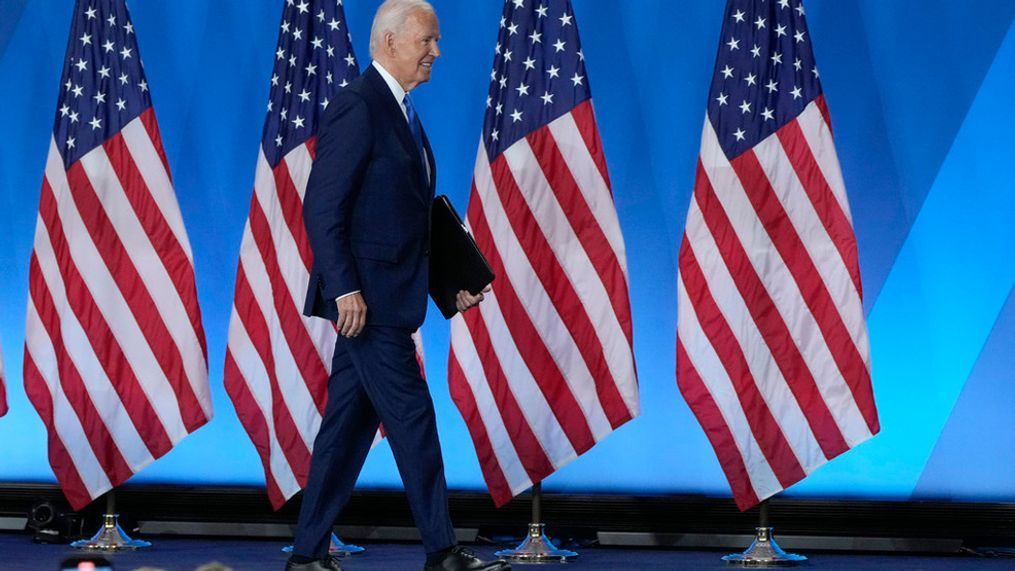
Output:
x=18 y=553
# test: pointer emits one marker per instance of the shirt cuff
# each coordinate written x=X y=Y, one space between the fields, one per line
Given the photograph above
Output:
x=346 y=294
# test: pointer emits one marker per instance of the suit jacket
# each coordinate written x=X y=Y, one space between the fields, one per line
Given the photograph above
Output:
x=367 y=208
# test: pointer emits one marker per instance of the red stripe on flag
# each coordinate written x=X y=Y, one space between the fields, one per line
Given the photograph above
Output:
x=825 y=204
x=585 y=118
x=253 y=422
x=3 y=396
x=718 y=432
x=59 y=459
x=103 y=343
x=289 y=438
x=292 y=211
x=587 y=230
x=311 y=144
x=136 y=295
x=531 y=453
x=531 y=347
x=764 y=426
x=826 y=313
x=461 y=394
x=73 y=386
x=769 y=321
x=422 y=369
x=313 y=370
x=556 y=284
x=154 y=223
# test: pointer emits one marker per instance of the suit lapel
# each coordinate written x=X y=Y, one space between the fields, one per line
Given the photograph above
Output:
x=393 y=109
x=432 y=180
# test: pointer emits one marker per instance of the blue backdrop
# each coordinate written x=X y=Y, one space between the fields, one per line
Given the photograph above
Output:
x=921 y=98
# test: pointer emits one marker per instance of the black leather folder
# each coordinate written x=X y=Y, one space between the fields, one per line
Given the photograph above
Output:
x=456 y=263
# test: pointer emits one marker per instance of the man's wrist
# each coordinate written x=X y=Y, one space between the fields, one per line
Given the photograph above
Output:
x=346 y=295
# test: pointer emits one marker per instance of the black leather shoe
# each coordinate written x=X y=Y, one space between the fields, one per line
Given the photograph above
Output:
x=461 y=559
x=329 y=563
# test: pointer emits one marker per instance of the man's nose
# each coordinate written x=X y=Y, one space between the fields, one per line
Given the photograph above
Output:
x=435 y=50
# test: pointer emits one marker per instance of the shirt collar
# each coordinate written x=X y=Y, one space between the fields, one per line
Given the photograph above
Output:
x=393 y=85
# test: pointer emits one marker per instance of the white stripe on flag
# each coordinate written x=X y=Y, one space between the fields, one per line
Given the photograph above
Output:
x=299 y=163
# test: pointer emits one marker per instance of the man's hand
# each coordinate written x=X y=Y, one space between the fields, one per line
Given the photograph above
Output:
x=465 y=300
x=352 y=315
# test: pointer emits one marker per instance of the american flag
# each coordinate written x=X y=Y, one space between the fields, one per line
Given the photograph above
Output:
x=115 y=356
x=277 y=360
x=772 y=348
x=543 y=369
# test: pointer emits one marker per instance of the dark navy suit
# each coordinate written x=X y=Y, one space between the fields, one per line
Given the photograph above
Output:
x=367 y=212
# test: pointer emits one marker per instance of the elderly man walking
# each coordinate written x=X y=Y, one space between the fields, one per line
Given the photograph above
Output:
x=366 y=212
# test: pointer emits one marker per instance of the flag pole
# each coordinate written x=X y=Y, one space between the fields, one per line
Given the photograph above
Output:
x=536 y=547
x=110 y=536
x=336 y=548
x=764 y=551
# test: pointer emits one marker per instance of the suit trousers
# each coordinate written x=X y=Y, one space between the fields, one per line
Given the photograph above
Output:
x=375 y=379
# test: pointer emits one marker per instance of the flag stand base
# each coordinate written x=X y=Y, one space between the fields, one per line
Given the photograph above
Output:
x=764 y=552
x=536 y=548
x=336 y=548
x=110 y=537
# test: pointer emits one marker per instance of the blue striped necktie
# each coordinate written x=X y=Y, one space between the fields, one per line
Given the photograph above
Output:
x=415 y=127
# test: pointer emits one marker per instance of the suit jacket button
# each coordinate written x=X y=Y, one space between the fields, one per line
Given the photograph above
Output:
x=426 y=252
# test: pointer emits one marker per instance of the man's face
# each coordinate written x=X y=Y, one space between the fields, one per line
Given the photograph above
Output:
x=413 y=49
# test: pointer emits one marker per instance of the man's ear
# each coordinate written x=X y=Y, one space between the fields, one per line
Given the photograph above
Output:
x=389 y=42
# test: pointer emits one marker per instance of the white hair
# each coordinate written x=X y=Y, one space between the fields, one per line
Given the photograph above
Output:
x=390 y=17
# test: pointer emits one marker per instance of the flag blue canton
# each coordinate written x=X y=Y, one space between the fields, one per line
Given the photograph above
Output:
x=103 y=85
x=313 y=59
x=765 y=72
x=538 y=71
